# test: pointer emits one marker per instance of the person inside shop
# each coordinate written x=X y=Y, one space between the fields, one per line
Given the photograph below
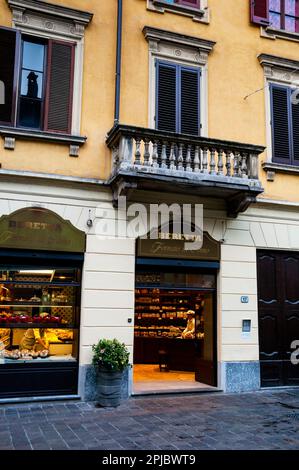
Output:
x=34 y=339
x=189 y=331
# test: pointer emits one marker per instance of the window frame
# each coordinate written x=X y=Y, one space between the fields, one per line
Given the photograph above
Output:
x=59 y=23
x=291 y=161
x=44 y=117
x=56 y=23
x=283 y=16
x=183 y=50
x=198 y=13
x=181 y=3
x=37 y=40
x=178 y=68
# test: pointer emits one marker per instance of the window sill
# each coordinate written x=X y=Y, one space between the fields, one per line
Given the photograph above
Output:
x=160 y=6
x=272 y=33
x=10 y=134
x=272 y=168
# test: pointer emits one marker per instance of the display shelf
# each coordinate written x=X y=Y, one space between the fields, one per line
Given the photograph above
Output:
x=152 y=328
x=33 y=325
x=38 y=359
x=32 y=305
x=162 y=293
x=159 y=312
x=40 y=283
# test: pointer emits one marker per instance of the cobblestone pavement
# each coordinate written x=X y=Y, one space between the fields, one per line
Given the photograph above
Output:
x=262 y=420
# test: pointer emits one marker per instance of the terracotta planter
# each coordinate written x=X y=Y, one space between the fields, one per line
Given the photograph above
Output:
x=109 y=387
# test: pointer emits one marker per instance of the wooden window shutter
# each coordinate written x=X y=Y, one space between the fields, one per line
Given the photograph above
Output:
x=9 y=47
x=280 y=124
x=295 y=129
x=190 y=96
x=59 y=93
x=166 y=97
x=189 y=3
x=259 y=10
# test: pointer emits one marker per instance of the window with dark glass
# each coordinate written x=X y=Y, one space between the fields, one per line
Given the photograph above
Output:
x=32 y=84
x=42 y=71
x=284 y=14
x=278 y=14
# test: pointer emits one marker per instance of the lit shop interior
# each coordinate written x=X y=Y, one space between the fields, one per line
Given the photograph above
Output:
x=174 y=336
x=39 y=324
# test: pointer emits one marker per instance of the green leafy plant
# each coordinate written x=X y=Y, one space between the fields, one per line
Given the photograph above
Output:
x=110 y=354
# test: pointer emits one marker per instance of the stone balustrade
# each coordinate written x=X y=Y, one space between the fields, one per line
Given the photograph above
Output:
x=165 y=153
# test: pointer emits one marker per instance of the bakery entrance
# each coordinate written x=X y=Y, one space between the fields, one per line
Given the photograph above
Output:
x=174 y=333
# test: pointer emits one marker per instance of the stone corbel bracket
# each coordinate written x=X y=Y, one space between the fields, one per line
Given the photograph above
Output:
x=11 y=134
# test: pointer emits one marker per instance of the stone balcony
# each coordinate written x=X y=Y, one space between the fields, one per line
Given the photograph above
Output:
x=152 y=160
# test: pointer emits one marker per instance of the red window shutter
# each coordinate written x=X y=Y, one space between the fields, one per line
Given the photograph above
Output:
x=9 y=47
x=189 y=3
x=59 y=92
x=259 y=11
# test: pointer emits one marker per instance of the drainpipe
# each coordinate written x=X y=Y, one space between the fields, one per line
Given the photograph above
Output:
x=118 y=62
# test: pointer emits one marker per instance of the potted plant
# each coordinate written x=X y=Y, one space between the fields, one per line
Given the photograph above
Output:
x=111 y=359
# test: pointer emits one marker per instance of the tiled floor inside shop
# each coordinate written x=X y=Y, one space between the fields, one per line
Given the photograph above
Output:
x=148 y=378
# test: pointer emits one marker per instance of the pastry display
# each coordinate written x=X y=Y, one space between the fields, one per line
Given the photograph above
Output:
x=35 y=316
x=7 y=354
x=65 y=335
x=15 y=354
x=25 y=354
x=23 y=317
x=4 y=332
x=44 y=353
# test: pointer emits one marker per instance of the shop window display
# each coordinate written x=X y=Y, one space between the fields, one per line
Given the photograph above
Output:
x=39 y=314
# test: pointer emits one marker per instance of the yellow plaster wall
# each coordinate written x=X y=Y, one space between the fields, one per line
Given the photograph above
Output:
x=234 y=72
x=97 y=103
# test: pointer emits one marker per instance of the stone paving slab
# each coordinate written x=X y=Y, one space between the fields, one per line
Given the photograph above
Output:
x=253 y=421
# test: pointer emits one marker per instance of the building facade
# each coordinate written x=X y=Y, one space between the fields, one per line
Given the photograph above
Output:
x=160 y=101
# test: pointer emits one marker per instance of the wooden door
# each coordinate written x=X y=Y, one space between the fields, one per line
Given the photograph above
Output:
x=205 y=347
x=278 y=303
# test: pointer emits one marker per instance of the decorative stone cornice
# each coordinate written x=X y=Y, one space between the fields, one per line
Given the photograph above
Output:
x=155 y=35
x=280 y=68
x=281 y=62
x=43 y=16
x=176 y=46
x=196 y=14
x=272 y=33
